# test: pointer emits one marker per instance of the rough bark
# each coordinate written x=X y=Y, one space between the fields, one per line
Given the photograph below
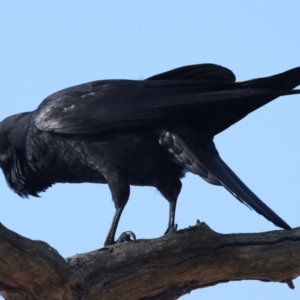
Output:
x=162 y=268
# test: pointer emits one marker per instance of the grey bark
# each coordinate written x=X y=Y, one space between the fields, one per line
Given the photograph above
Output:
x=163 y=268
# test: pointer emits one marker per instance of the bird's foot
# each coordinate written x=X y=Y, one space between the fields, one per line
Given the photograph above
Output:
x=126 y=237
x=172 y=229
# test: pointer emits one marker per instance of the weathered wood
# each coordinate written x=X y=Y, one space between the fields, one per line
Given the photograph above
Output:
x=162 y=268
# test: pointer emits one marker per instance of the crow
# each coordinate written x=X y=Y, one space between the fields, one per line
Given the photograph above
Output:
x=137 y=132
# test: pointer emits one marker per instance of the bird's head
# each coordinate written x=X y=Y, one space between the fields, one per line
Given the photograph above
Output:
x=14 y=131
x=12 y=134
x=5 y=149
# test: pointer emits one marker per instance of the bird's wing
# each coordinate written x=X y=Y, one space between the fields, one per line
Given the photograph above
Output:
x=196 y=72
x=210 y=102
x=199 y=155
x=107 y=104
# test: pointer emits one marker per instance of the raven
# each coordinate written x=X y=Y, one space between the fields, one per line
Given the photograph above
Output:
x=137 y=132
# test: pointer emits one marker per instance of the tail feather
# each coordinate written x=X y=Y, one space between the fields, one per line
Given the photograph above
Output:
x=202 y=155
x=216 y=166
x=283 y=81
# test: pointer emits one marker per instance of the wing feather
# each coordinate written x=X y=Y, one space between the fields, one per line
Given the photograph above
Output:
x=213 y=102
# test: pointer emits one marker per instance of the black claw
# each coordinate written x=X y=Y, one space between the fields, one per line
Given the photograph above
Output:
x=126 y=237
x=290 y=284
x=172 y=229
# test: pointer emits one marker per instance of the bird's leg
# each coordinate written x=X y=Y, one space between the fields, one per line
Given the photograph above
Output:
x=110 y=239
x=172 y=209
x=120 y=190
x=170 y=189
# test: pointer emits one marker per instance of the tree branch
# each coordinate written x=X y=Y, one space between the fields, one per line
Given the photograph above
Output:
x=162 y=268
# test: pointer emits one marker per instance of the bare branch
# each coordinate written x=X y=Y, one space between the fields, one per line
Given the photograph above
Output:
x=163 y=268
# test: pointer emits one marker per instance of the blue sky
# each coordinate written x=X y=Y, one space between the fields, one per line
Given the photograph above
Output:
x=49 y=46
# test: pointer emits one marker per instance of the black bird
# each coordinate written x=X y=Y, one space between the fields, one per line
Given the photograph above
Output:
x=137 y=132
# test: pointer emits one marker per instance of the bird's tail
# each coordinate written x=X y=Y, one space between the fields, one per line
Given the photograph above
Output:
x=287 y=80
x=228 y=103
x=200 y=156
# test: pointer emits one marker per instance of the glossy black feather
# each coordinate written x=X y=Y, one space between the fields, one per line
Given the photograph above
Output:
x=127 y=104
